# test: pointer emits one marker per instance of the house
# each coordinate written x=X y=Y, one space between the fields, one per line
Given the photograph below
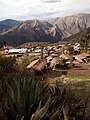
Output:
x=37 y=65
x=76 y=48
x=64 y=56
x=16 y=51
x=53 y=62
x=49 y=58
x=82 y=57
x=32 y=64
x=37 y=50
x=77 y=44
x=54 y=55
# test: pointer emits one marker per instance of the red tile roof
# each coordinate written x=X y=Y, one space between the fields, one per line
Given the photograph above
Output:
x=82 y=56
x=64 y=56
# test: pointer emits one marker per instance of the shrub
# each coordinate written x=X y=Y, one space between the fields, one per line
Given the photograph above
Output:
x=7 y=64
x=30 y=98
x=25 y=95
x=70 y=65
x=62 y=63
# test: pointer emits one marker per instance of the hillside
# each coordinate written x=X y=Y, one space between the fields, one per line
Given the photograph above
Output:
x=31 y=31
x=75 y=38
x=52 y=30
x=7 y=24
x=71 y=25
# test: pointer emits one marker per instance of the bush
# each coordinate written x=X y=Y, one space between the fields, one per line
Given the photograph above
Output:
x=62 y=64
x=7 y=64
x=25 y=95
x=70 y=65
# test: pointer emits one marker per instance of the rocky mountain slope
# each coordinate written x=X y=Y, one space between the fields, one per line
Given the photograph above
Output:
x=30 y=31
x=52 y=30
x=71 y=25
x=75 y=38
x=7 y=24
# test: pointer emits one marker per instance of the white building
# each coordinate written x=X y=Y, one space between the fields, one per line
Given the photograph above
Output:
x=15 y=51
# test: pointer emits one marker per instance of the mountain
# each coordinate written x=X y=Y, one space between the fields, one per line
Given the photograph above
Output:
x=52 y=30
x=30 y=31
x=71 y=25
x=75 y=38
x=6 y=24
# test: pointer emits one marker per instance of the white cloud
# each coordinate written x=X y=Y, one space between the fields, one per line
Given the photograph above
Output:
x=29 y=9
x=50 y=1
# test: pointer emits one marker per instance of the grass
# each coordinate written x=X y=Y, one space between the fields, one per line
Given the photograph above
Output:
x=39 y=43
x=54 y=73
x=78 y=78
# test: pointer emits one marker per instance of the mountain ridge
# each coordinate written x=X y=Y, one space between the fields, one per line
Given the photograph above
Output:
x=52 y=30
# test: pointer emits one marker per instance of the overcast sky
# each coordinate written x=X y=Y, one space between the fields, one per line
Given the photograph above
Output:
x=41 y=9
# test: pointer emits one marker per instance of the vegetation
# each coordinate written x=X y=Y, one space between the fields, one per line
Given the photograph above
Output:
x=70 y=49
x=2 y=44
x=81 y=78
x=24 y=61
x=64 y=65
x=25 y=95
x=29 y=97
x=85 y=40
x=7 y=64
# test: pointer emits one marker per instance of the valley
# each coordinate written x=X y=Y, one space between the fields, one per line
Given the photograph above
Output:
x=45 y=69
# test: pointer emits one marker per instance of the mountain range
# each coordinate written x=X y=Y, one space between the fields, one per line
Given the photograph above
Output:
x=52 y=30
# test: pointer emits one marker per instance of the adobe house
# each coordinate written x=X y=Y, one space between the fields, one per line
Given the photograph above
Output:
x=64 y=56
x=38 y=66
x=83 y=57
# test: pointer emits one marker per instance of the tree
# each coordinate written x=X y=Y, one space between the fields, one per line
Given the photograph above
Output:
x=70 y=49
x=2 y=44
x=85 y=40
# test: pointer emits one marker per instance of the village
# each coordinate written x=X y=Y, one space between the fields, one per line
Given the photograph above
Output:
x=68 y=58
x=58 y=67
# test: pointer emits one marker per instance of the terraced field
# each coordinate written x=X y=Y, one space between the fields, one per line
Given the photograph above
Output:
x=80 y=70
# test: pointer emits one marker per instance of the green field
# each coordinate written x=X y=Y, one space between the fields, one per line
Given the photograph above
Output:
x=78 y=78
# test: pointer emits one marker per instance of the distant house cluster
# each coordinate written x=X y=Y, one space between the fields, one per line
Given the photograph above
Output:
x=51 y=55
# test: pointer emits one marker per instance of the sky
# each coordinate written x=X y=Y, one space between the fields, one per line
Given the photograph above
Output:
x=41 y=9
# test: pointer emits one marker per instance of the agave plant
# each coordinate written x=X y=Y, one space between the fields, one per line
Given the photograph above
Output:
x=29 y=98
x=40 y=114
x=3 y=100
x=25 y=95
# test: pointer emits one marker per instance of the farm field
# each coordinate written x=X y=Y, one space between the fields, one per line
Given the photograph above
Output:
x=80 y=70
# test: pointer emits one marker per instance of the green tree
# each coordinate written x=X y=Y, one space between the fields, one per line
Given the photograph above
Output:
x=84 y=40
x=2 y=44
x=70 y=49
